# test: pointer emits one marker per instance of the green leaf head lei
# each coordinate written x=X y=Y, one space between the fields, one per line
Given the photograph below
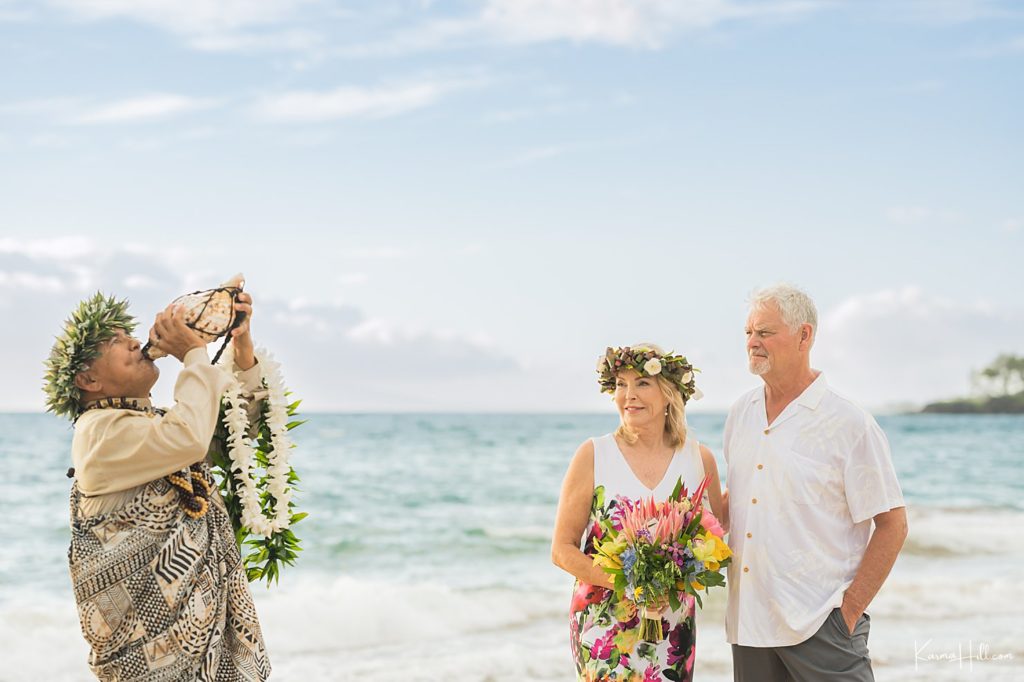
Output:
x=648 y=362
x=94 y=322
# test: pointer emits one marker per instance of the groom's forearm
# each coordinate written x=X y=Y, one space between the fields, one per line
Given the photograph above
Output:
x=879 y=557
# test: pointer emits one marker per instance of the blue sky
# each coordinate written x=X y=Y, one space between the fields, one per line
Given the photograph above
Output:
x=457 y=206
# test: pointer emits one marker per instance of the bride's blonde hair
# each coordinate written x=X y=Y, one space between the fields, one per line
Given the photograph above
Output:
x=675 y=417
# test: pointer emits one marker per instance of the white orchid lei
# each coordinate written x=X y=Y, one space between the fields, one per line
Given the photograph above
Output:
x=256 y=476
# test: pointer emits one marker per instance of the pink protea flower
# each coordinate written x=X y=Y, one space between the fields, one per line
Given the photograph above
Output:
x=670 y=523
x=652 y=674
x=639 y=518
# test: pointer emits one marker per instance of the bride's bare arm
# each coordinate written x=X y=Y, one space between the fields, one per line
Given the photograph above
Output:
x=718 y=506
x=574 y=505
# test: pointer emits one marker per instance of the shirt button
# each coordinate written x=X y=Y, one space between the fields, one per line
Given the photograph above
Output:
x=766 y=431
x=746 y=569
x=754 y=501
x=760 y=466
x=750 y=535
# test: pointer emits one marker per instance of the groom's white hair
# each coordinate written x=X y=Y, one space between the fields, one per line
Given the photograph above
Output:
x=795 y=305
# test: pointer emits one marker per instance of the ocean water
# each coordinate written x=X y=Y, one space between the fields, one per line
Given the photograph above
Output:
x=427 y=552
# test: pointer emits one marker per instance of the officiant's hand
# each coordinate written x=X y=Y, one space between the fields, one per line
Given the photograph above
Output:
x=171 y=335
x=241 y=339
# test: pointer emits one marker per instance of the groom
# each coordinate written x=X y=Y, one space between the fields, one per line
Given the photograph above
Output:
x=817 y=513
x=157 y=576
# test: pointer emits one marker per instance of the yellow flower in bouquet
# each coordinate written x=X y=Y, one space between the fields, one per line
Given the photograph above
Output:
x=711 y=549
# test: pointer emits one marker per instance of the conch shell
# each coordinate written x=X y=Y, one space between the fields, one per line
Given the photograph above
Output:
x=210 y=314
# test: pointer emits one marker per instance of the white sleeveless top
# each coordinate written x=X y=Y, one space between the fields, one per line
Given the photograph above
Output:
x=612 y=471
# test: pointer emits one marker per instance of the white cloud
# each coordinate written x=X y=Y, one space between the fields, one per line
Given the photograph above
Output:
x=48 y=106
x=30 y=281
x=217 y=25
x=140 y=282
x=186 y=16
x=292 y=40
x=312 y=106
x=630 y=23
x=145 y=108
x=639 y=23
x=908 y=345
x=335 y=356
x=60 y=248
x=947 y=11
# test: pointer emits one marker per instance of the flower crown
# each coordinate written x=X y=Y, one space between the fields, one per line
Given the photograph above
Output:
x=94 y=322
x=648 y=362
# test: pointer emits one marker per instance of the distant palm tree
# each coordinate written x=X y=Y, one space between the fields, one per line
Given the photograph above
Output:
x=1005 y=376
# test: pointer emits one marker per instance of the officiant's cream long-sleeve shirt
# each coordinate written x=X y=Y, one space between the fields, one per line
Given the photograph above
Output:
x=116 y=452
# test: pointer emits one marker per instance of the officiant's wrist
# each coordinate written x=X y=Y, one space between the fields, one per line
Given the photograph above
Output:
x=245 y=361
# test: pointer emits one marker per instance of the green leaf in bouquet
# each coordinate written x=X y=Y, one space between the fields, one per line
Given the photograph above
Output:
x=694 y=525
x=677 y=489
x=713 y=578
x=620 y=583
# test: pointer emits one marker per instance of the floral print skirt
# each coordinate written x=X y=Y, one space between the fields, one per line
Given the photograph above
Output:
x=606 y=644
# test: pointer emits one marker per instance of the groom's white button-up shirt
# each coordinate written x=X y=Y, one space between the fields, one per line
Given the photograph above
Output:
x=802 y=493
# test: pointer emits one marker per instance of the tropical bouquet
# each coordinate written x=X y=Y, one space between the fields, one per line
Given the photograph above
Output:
x=659 y=552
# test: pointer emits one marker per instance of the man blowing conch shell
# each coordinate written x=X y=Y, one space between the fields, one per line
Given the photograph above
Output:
x=157 y=575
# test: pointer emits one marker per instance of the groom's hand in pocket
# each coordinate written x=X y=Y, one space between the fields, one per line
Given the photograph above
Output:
x=850 y=615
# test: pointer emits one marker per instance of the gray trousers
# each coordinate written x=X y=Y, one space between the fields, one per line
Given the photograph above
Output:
x=831 y=653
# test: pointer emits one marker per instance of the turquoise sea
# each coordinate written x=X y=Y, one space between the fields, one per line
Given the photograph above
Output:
x=427 y=551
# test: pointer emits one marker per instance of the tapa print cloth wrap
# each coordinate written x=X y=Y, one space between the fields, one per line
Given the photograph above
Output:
x=162 y=596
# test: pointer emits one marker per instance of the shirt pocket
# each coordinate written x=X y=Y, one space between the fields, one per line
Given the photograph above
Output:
x=805 y=480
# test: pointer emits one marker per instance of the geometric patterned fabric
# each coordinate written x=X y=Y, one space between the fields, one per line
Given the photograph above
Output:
x=161 y=596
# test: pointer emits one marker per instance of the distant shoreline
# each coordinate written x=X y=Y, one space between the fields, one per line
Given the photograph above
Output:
x=1003 y=404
